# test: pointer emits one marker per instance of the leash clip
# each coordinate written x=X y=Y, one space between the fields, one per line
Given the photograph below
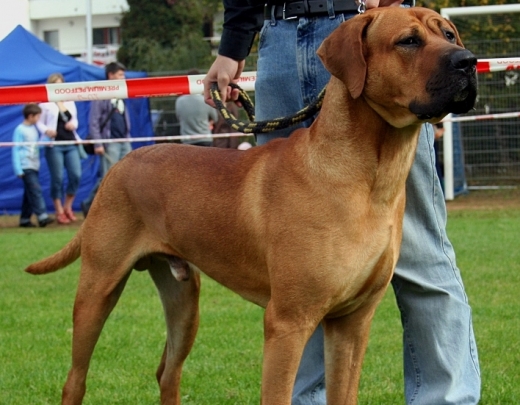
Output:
x=362 y=6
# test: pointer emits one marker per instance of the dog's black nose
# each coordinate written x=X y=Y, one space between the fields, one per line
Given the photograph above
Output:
x=464 y=60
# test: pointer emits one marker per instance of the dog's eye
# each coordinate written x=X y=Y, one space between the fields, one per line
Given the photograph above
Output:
x=450 y=36
x=411 y=41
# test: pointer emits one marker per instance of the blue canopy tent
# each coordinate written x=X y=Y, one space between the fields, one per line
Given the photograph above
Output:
x=27 y=60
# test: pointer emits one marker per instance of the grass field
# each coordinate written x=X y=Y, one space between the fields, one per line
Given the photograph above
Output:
x=225 y=364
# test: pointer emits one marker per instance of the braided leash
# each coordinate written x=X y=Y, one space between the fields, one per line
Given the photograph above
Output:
x=261 y=126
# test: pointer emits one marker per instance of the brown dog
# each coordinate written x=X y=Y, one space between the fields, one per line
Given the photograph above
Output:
x=308 y=227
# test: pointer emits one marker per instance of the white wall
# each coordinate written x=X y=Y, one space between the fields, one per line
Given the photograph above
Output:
x=65 y=16
x=42 y=9
x=13 y=13
x=72 y=32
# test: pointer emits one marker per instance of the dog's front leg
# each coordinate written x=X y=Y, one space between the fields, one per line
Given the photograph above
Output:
x=285 y=339
x=346 y=340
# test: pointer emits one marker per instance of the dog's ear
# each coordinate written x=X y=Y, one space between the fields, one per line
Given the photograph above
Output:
x=343 y=56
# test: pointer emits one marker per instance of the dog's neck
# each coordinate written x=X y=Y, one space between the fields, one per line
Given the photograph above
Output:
x=357 y=146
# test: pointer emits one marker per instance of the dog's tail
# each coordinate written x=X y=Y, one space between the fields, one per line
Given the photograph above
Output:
x=68 y=254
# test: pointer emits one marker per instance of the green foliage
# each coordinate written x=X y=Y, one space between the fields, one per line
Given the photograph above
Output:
x=157 y=36
x=148 y=55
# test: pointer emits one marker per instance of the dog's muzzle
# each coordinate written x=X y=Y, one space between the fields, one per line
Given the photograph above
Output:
x=453 y=89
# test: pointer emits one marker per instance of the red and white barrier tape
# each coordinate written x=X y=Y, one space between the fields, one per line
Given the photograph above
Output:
x=106 y=90
x=497 y=65
x=483 y=117
x=157 y=86
x=122 y=140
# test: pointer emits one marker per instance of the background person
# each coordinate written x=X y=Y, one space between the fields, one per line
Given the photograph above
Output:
x=195 y=117
x=439 y=350
x=438 y=134
x=58 y=122
x=26 y=165
x=109 y=119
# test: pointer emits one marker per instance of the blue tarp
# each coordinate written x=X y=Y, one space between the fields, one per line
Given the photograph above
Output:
x=27 y=60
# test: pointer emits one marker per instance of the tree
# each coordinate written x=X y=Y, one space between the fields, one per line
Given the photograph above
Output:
x=166 y=35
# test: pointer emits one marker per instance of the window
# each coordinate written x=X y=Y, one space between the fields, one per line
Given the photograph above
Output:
x=106 y=36
x=52 y=38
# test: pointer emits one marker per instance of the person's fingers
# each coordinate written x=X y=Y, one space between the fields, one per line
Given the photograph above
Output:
x=223 y=83
x=210 y=78
x=234 y=93
x=222 y=71
x=240 y=69
x=372 y=4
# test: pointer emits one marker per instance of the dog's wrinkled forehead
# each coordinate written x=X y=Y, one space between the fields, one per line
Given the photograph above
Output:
x=420 y=22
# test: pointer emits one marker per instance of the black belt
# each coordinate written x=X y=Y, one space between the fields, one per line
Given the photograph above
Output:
x=308 y=8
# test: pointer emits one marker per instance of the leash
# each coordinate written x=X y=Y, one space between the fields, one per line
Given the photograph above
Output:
x=261 y=126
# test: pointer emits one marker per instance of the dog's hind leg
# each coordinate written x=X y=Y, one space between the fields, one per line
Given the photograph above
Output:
x=180 y=300
x=98 y=293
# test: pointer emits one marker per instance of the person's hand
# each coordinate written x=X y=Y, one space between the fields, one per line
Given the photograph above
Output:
x=69 y=126
x=99 y=150
x=383 y=3
x=223 y=71
x=51 y=133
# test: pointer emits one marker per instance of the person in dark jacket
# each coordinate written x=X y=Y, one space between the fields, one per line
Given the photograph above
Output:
x=109 y=119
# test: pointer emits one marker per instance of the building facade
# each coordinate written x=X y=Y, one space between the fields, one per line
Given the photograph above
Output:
x=62 y=24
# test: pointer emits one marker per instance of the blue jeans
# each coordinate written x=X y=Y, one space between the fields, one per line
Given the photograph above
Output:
x=60 y=157
x=439 y=351
x=32 y=202
x=114 y=152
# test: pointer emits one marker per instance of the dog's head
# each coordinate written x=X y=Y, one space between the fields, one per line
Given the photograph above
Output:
x=408 y=63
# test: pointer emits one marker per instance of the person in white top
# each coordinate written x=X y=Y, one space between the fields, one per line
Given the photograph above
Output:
x=58 y=122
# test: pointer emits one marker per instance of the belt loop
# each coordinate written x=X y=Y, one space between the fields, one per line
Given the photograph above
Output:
x=272 y=20
x=330 y=9
x=306 y=7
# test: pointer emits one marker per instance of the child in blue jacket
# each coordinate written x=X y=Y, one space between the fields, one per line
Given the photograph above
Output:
x=26 y=165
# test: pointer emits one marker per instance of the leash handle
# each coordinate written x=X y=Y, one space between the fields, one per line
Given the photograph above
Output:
x=261 y=126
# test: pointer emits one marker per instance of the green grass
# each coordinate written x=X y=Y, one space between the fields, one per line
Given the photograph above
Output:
x=225 y=364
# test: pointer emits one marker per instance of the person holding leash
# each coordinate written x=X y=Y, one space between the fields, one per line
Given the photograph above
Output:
x=439 y=351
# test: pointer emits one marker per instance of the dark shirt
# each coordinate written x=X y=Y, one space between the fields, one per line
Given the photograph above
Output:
x=117 y=125
x=64 y=134
x=242 y=21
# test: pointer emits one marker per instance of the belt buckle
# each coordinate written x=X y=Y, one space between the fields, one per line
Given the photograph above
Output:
x=283 y=14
